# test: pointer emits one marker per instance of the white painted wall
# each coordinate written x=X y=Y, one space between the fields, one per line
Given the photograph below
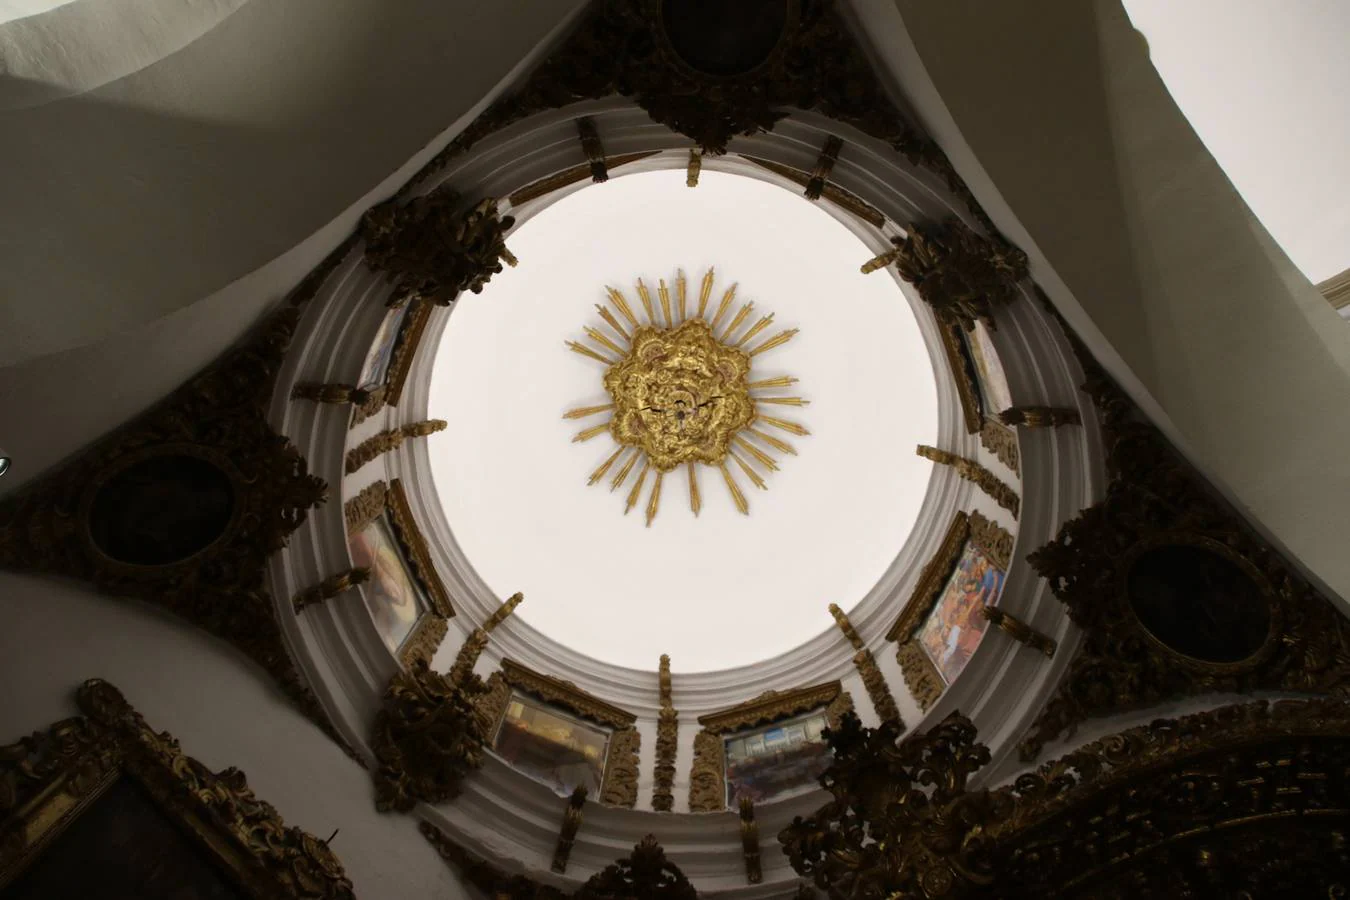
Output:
x=222 y=710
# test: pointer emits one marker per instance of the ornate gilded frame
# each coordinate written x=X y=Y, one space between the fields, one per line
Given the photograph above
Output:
x=390 y=500
x=995 y=437
x=619 y=785
x=707 y=778
x=921 y=676
x=48 y=779
x=400 y=362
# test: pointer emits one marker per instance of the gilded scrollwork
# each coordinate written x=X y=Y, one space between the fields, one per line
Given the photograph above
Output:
x=667 y=734
x=878 y=691
x=921 y=676
x=566 y=695
x=400 y=362
x=436 y=246
x=426 y=637
x=48 y=779
x=998 y=490
x=963 y=374
x=330 y=587
x=621 y=769
x=547 y=185
x=933 y=578
x=427 y=738
x=1019 y=631
x=707 y=776
x=993 y=539
x=366 y=506
x=1245 y=800
x=1040 y=416
x=1001 y=441
x=491 y=704
x=388 y=440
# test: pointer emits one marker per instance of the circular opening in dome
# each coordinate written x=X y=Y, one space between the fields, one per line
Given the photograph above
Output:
x=716 y=589
x=161 y=510
x=724 y=39
x=1199 y=604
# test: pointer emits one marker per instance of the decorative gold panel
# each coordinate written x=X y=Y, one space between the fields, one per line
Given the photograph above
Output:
x=366 y=506
x=49 y=779
x=415 y=548
x=998 y=490
x=566 y=695
x=1001 y=441
x=667 y=734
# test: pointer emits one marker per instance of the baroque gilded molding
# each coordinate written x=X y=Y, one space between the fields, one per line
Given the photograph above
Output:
x=427 y=738
x=425 y=639
x=754 y=872
x=963 y=374
x=388 y=440
x=845 y=200
x=667 y=734
x=567 y=833
x=1001 y=441
x=999 y=491
x=400 y=362
x=991 y=538
x=707 y=776
x=878 y=691
x=228 y=491
x=330 y=393
x=645 y=874
x=48 y=779
x=693 y=168
x=621 y=769
x=1241 y=801
x=414 y=547
x=474 y=645
x=330 y=587
x=366 y=506
x=1175 y=593
x=436 y=246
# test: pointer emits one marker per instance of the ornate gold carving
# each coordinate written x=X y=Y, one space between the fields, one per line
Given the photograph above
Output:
x=921 y=676
x=427 y=738
x=566 y=695
x=546 y=186
x=877 y=689
x=477 y=641
x=820 y=175
x=754 y=873
x=837 y=708
x=933 y=578
x=680 y=394
x=400 y=362
x=667 y=733
x=621 y=769
x=1002 y=442
x=389 y=439
x=567 y=834
x=707 y=777
x=491 y=705
x=434 y=246
x=992 y=539
x=977 y=475
x=833 y=193
x=415 y=548
x=593 y=148
x=330 y=393
x=489 y=879
x=693 y=168
x=424 y=640
x=218 y=417
x=330 y=587
x=49 y=778
x=645 y=874
x=1241 y=801
x=963 y=374
x=1040 y=416
x=961 y=274
x=366 y=506
x=1156 y=501
x=1019 y=631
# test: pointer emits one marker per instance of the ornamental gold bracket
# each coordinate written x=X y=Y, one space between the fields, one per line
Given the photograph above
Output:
x=667 y=734
x=389 y=440
x=754 y=873
x=477 y=640
x=567 y=834
x=820 y=175
x=593 y=148
x=1020 y=631
x=330 y=587
x=976 y=474
x=878 y=691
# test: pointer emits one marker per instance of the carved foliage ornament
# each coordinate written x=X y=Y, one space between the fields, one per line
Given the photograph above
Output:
x=1175 y=594
x=182 y=506
x=435 y=247
x=1247 y=800
x=961 y=274
x=645 y=874
x=49 y=778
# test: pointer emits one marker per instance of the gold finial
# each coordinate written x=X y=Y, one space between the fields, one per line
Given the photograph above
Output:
x=765 y=459
x=637 y=487
x=781 y=381
x=777 y=340
x=739 y=318
x=587 y=351
x=846 y=627
x=784 y=401
x=755 y=329
x=622 y=475
x=781 y=446
x=749 y=472
x=599 y=338
x=784 y=424
x=880 y=261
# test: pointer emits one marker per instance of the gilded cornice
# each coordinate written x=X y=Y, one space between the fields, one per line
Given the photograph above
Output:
x=414 y=546
x=771 y=706
x=566 y=695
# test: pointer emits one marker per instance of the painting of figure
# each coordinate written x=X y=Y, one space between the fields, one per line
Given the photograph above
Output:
x=376 y=366
x=955 y=626
x=993 y=381
x=393 y=596
x=551 y=746
x=768 y=762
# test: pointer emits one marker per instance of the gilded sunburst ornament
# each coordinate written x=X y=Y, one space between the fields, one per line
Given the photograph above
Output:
x=681 y=393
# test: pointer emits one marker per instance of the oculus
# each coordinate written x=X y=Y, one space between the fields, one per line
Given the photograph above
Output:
x=681 y=392
x=723 y=39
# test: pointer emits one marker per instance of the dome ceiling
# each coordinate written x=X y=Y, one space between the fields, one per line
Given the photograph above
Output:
x=717 y=589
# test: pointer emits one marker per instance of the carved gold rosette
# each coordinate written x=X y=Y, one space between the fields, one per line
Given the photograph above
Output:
x=681 y=394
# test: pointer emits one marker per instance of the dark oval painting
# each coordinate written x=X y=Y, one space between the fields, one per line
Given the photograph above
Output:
x=1199 y=603
x=161 y=510
x=724 y=37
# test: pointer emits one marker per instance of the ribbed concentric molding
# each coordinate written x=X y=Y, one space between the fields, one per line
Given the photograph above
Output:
x=505 y=816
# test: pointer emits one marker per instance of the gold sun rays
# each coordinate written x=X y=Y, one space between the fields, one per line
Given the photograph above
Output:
x=682 y=393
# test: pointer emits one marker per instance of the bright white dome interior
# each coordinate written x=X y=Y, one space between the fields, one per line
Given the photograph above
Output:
x=720 y=590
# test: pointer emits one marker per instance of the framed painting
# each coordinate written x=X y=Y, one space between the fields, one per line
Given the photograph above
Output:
x=955 y=625
x=994 y=394
x=386 y=366
x=376 y=365
x=551 y=746
x=775 y=760
x=405 y=596
x=103 y=806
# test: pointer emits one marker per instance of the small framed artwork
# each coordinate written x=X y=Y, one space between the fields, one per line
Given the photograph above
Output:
x=405 y=597
x=390 y=357
x=102 y=806
x=376 y=366
x=550 y=745
x=955 y=625
x=775 y=760
x=993 y=381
